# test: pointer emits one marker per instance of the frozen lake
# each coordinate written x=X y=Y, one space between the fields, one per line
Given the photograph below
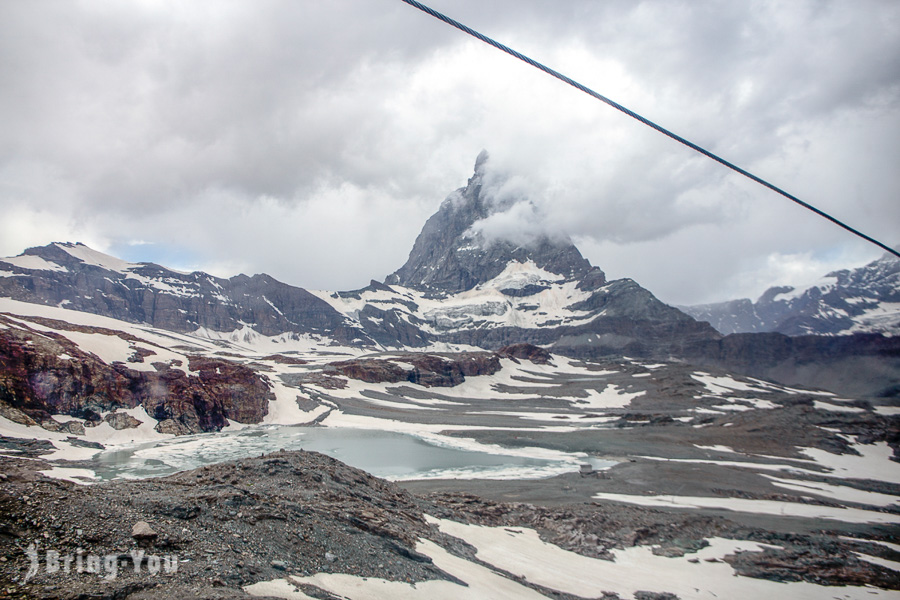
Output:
x=394 y=456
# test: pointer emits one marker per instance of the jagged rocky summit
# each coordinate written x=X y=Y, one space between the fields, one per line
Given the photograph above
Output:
x=450 y=256
x=459 y=286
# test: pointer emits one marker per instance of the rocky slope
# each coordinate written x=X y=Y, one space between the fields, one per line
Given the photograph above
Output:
x=310 y=521
x=865 y=299
x=451 y=256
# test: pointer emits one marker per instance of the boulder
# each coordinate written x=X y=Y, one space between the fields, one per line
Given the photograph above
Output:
x=143 y=531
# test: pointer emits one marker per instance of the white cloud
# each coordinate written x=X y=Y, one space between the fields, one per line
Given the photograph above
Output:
x=311 y=140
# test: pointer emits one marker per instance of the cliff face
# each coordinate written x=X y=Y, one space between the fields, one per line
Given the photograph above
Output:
x=860 y=365
x=43 y=373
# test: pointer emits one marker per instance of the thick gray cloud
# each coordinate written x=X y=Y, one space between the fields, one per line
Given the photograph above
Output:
x=311 y=140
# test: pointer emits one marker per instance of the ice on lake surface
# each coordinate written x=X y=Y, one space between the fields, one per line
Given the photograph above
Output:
x=385 y=454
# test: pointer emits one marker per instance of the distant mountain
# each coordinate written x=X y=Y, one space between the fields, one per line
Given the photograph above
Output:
x=80 y=278
x=460 y=291
x=456 y=288
x=862 y=300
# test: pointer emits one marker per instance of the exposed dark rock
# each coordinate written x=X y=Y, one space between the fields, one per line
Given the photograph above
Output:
x=526 y=352
x=285 y=360
x=370 y=370
x=429 y=370
x=856 y=365
x=527 y=290
x=387 y=328
x=43 y=374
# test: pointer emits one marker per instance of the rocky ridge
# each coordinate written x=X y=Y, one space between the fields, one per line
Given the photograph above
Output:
x=865 y=299
x=79 y=278
x=462 y=289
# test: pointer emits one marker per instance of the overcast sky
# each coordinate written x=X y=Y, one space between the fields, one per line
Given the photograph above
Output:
x=312 y=139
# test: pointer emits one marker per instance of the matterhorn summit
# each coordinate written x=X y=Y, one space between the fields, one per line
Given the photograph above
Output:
x=456 y=252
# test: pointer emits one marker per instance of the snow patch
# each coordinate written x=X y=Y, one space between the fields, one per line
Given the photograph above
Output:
x=766 y=507
x=89 y=256
x=835 y=408
x=34 y=263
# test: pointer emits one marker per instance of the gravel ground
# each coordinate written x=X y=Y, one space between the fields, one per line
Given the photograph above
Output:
x=233 y=524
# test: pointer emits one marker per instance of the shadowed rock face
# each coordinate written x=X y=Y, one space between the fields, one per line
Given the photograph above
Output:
x=853 y=365
x=448 y=257
x=43 y=374
x=525 y=352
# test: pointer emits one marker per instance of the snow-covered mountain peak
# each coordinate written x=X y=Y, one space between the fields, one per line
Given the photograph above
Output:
x=89 y=256
x=66 y=256
x=459 y=288
x=476 y=233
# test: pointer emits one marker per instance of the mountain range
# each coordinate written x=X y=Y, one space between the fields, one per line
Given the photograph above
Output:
x=517 y=394
x=865 y=299
x=459 y=289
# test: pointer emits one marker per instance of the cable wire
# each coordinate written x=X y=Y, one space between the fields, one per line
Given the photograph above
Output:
x=645 y=121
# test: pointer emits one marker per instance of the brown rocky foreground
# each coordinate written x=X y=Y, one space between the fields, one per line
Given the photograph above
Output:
x=234 y=524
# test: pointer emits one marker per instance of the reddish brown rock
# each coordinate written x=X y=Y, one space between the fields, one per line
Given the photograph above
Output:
x=43 y=374
x=526 y=351
x=429 y=370
x=370 y=370
x=434 y=371
x=478 y=363
x=285 y=360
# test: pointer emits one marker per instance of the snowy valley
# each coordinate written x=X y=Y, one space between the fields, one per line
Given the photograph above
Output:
x=513 y=425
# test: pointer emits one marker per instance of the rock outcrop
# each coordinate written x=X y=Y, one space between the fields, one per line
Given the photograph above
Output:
x=429 y=370
x=43 y=373
x=525 y=352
